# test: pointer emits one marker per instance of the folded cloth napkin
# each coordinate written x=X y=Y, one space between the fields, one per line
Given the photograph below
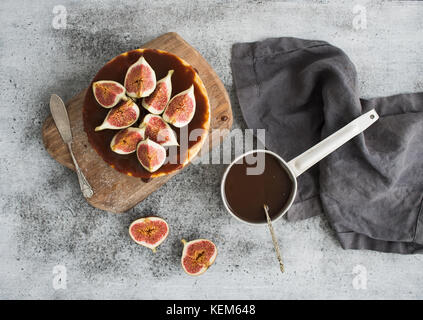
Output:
x=371 y=188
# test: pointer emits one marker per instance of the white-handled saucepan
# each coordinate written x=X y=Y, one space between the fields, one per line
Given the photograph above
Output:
x=304 y=161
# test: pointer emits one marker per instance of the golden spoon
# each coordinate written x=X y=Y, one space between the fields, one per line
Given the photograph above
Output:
x=275 y=242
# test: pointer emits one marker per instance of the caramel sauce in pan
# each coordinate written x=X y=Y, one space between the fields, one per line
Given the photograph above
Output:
x=246 y=194
x=94 y=114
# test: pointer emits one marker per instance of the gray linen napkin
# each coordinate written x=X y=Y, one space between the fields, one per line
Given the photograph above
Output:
x=370 y=189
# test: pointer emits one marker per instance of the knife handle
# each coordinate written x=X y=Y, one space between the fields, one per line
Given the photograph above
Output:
x=86 y=189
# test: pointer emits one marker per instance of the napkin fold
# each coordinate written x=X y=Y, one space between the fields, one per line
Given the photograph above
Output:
x=371 y=188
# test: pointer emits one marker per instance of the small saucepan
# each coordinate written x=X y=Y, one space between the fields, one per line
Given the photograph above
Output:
x=241 y=191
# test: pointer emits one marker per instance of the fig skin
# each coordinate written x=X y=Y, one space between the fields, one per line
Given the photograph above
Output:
x=140 y=79
x=127 y=111
x=204 y=265
x=158 y=133
x=156 y=102
x=148 y=231
x=129 y=137
x=181 y=108
x=148 y=150
x=107 y=87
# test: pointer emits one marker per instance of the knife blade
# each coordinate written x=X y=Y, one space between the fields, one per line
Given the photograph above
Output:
x=60 y=117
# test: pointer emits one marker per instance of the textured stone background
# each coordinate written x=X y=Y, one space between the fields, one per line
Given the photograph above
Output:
x=45 y=221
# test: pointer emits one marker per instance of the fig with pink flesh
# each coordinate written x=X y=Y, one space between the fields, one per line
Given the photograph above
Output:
x=158 y=130
x=149 y=232
x=157 y=101
x=181 y=108
x=108 y=93
x=124 y=115
x=126 y=140
x=197 y=256
x=140 y=79
x=151 y=155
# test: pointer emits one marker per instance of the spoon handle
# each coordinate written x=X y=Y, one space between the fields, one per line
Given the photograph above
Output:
x=275 y=242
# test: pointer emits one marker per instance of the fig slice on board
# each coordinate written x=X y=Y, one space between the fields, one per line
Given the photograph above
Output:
x=140 y=79
x=157 y=101
x=181 y=108
x=108 y=93
x=158 y=130
x=197 y=256
x=124 y=115
x=149 y=232
x=151 y=155
x=126 y=140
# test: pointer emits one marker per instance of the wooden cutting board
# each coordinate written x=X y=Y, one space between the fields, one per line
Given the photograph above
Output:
x=114 y=191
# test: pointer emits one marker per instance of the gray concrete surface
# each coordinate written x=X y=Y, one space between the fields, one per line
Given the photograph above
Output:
x=45 y=221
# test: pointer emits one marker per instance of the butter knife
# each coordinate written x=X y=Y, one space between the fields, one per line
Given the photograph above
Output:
x=60 y=117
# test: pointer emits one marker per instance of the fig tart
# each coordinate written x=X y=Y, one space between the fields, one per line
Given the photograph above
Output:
x=141 y=104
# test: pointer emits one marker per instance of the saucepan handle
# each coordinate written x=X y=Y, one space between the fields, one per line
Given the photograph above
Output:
x=313 y=155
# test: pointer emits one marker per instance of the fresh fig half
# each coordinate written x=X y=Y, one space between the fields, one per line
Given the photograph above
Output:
x=151 y=155
x=158 y=130
x=149 y=232
x=157 y=101
x=126 y=140
x=181 y=108
x=140 y=79
x=197 y=256
x=122 y=116
x=108 y=93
